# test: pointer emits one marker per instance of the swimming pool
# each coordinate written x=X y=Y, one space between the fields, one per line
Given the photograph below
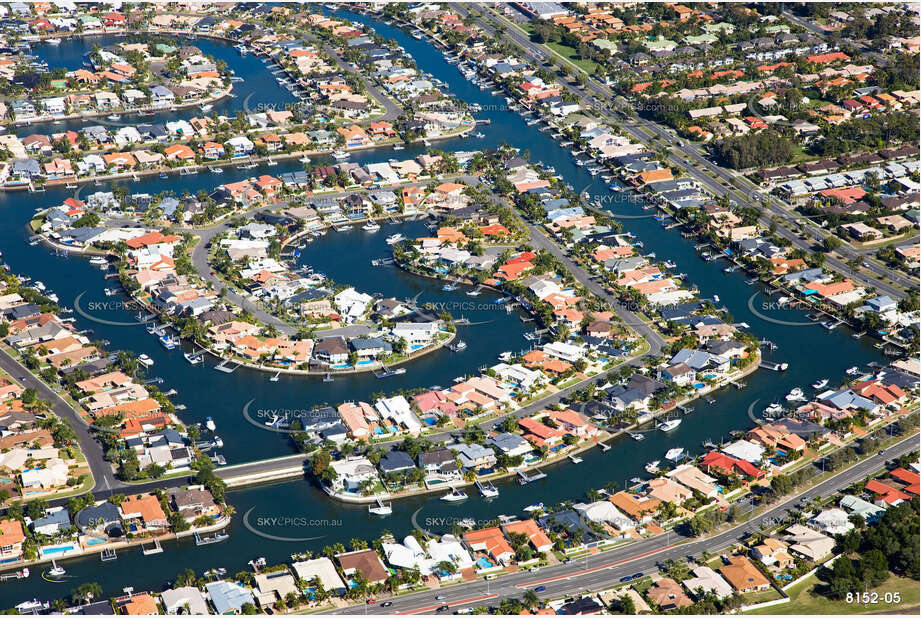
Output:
x=484 y=563
x=57 y=549
x=95 y=541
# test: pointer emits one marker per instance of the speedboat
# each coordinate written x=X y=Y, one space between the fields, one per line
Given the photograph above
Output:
x=371 y=227
x=455 y=495
x=99 y=261
x=653 y=466
x=392 y=240
x=53 y=41
x=56 y=571
x=207 y=107
x=145 y=360
x=669 y=425
x=114 y=117
x=193 y=360
x=820 y=384
x=796 y=395
x=167 y=342
x=534 y=507
x=853 y=371
x=382 y=509
x=475 y=292
x=339 y=155
x=210 y=424
x=449 y=287
x=674 y=454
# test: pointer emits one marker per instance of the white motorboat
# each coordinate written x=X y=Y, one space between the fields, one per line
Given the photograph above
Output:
x=653 y=466
x=99 y=261
x=305 y=159
x=853 y=371
x=114 y=117
x=168 y=342
x=53 y=41
x=340 y=155
x=394 y=239
x=773 y=409
x=534 y=507
x=32 y=607
x=210 y=424
x=475 y=292
x=145 y=360
x=674 y=454
x=455 y=495
x=207 y=107
x=783 y=300
x=449 y=287
x=820 y=384
x=487 y=489
x=193 y=360
x=575 y=459
x=669 y=425
x=56 y=571
x=796 y=395
x=371 y=227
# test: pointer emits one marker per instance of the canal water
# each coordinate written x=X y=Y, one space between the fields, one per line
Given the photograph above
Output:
x=298 y=513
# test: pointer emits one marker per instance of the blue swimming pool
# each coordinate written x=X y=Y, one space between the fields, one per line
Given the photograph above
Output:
x=484 y=563
x=59 y=549
x=95 y=541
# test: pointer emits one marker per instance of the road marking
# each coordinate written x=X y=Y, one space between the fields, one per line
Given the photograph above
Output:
x=428 y=610
x=593 y=569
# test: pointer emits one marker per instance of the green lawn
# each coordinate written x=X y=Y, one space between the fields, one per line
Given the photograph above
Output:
x=806 y=601
x=570 y=54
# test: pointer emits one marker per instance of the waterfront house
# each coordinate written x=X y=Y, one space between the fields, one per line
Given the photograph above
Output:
x=228 y=598
x=510 y=444
x=332 y=350
x=415 y=334
x=193 y=502
x=439 y=464
x=474 y=456
x=187 y=599
x=352 y=473
x=396 y=461
x=103 y=517
x=12 y=536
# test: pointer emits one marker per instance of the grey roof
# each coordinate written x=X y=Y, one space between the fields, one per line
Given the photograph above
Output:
x=393 y=461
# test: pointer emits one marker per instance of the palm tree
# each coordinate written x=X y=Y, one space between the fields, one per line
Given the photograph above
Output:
x=530 y=599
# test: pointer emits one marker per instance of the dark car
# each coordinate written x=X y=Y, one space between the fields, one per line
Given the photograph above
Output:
x=443 y=608
x=540 y=589
x=637 y=575
x=626 y=578
x=386 y=603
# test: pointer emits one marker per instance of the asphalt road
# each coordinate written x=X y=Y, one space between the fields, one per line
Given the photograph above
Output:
x=92 y=450
x=605 y=569
x=689 y=158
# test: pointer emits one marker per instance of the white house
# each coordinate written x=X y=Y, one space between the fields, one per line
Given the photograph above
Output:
x=416 y=334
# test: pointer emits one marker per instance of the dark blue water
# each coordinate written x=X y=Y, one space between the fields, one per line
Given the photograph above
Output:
x=811 y=352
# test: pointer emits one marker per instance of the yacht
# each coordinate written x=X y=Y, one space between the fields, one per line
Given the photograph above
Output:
x=449 y=287
x=340 y=155
x=392 y=240
x=505 y=357
x=207 y=107
x=305 y=159
x=475 y=292
x=773 y=409
x=796 y=395
x=460 y=346
x=853 y=371
x=210 y=424
x=167 y=342
x=653 y=466
x=32 y=607
x=114 y=117
x=55 y=570
x=534 y=507
x=99 y=261
x=193 y=360
x=674 y=454
x=53 y=41
x=487 y=489
x=145 y=360
x=669 y=425
x=371 y=227
x=820 y=384
x=455 y=495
